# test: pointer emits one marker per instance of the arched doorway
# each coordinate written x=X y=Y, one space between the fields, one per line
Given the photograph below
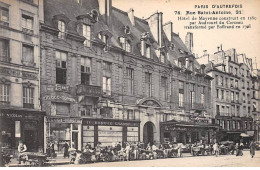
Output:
x=148 y=133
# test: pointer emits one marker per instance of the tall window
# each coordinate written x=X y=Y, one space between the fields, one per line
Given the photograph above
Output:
x=192 y=95
x=163 y=57
x=228 y=124
x=164 y=88
x=28 y=57
x=232 y=96
x=4 y=16
x=61 y=67
x=62 y=29
x=217 y=109
x=125 y=44
x=130 y=115
x=28 y=97
x=85 y=110
x=234 y=125
x=202 y=96
x=107 y=66
x=148 y=84
x=4 y=50
x=85 y=70
x=130 y=80
x=4 y=92
x=217 y=80
x=87 y=34
x=181 y=94
x=107 y=85
x=148 y=51
x=27 y=22
x=128 y=46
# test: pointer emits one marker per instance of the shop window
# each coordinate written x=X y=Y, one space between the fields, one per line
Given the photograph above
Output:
x=17 y=129
x=62 y=29
x=130 y=115
x=27 y=23
x=85 y=70
x=4 y=16
x=4 y=92
x=4 y=50
x=107 y=85
x=107 y=66
x=130 y=80
x=148 y=84
x=28 y=97
x=106 y=112
x=28 y=55
x=61 y=67
x=164 y=88
x=87 y=34
x=62 y=108
x=86 y=111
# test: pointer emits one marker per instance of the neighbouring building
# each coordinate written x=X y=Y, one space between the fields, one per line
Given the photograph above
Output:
x=108 y=76
x=21 y=117
x=231 y=94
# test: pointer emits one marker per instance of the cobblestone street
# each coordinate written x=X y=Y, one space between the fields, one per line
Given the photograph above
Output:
x=188 y=161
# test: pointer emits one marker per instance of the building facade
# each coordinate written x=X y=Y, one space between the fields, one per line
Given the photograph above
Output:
x=20 y=113
x=108 y=76
x=231 y=94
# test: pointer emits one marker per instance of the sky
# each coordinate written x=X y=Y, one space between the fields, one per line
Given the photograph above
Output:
x=245 y=41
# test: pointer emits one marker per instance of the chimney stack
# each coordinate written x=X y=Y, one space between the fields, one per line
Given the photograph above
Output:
x=131 y=16
x=155 y=22
x=105 y=7
x=189 y=41
x=168 y=30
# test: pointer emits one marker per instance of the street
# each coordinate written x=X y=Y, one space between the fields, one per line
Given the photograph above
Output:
x=186 y=161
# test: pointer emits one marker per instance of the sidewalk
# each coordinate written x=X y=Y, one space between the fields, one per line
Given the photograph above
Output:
x=59 y=160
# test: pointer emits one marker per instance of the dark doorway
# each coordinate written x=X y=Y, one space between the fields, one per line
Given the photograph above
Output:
x=30 y=140
x=148 y=133
x=75 y=139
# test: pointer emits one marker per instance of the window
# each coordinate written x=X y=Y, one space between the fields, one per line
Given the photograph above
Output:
x=125 y=44
x=249 y=109
x=107 y=85
x=87 y=34
x=85 y=111
x=4 y=15
x=107 y=66
x=228 y=124
x=222 y=94
x=227 y=95
x=217 y=93
x=238 y=125
x=27 y=23
x=62 y=108
x=130 y=115
x=232 y=110
x=148 y=84
x=17 y=129
x=85 y=70
x=238 y=110
x=228 y=110
x=231 y=83
x=231 y=70
x=61 y=28
x=181 y=94
x=234 y=125
x=164 y=88
x=245 y=125
x=236 y=83
x=106 y=112
x=221 y=81
x=216 y=78
x=192 y=98
x=232 y=96
x=227 y=84
x=148 y=51
x=163 y=57
x=236 y=71
x=128 y=46
x=242 y=72
x=4 y=92
x=217 y=109
x=130 y=80
x=28 y=97
x=237 y=97
x=28 y=55
x=222 y=124
x=4 y=50
x=244 y=97
x=61 y=67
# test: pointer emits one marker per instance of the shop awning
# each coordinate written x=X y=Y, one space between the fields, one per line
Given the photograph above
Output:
x=244 y=135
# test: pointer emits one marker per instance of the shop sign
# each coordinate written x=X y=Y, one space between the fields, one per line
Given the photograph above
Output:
x=109 y=123
x=11 y=115
x=62 y=87
x=89 y=90
x=18 y=73
x=63 y=120
x=176 y=128
x=58 y=97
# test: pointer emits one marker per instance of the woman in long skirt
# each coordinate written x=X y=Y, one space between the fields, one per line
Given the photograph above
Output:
x=252 y=149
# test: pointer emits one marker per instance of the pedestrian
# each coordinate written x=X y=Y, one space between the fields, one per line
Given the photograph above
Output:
x=252 y=147
x=216 y=149
x=66 y=150
x=21 y=149
x=239 y=150
x=127 y=151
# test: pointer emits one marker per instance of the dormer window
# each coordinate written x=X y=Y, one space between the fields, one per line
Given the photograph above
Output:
x=86 y=32
x=162 y=57
x=125 y=44
x=94 y=15
x=172 y=47
x=148 y=51
x=127 y=30
x=61 y=28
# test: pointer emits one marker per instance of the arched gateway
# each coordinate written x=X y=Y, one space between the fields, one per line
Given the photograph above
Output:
x=148 y=133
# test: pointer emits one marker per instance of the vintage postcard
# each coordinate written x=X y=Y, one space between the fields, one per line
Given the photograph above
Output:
x=119 y=83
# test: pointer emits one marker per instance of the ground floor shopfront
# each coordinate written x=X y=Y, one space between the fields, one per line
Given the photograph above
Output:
x=187 y=132
x=22 y=124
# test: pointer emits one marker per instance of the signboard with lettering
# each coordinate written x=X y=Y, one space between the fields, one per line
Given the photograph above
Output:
x=89 y=90
x=110 y=123
x=62 y=87
x=59 y=97
x=18 y=73
x=63 y=120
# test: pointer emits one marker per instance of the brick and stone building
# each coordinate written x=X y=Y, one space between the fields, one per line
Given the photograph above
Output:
x=21 y=117
x=108 y=76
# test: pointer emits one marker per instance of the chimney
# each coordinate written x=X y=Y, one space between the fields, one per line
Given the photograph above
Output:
x=189 y=41
x=105 y=7
x=168 y=30
x=155 y=23
x=131 y=16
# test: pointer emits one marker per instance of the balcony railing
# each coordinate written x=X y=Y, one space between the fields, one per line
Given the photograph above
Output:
x=89 y=90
